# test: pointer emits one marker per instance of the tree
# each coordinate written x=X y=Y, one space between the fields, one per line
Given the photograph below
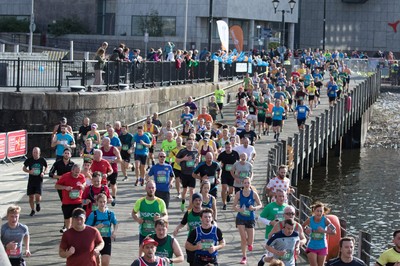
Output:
x=151 y=22
x=67 y=26
x=12 y=24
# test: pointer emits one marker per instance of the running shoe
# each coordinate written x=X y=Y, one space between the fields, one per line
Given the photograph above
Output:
x=250 y=247
x=228 y=198
x=243 y=261
x=38 y=207
x=136 y=182
x=32 y=213
x=182 y=207
x=224 y=207
x=125 y=178
x=63 y=230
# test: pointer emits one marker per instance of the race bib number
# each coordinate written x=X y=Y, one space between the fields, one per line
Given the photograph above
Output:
x=139 y=147
x=203 y=158
x=74 y=194
x=211 y=179
x=36 y=171
x=189 y=163
x=243 y=174
x=14 y=252
x=94 y=208
x=148 y=226
x=268 y=115
x=206 y=244
x=251 y=109
x=104 y=230
x=125 y=147
x=161 y=179
x=317 y=236
x=288 y=256
x=246 y=213
x=228 y=167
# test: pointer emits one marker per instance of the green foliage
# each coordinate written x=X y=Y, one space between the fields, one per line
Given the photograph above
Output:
x=12 y=24
x=153 y=23
x=273 y=45
x=67 y=26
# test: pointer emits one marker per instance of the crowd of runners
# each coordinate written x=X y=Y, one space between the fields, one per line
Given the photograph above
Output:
x=205 y=163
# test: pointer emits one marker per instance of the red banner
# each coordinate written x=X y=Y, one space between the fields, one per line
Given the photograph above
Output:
x=16 y=143
x=3 y=151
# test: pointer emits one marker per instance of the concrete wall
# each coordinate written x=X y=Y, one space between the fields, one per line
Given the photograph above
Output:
x=39 y=112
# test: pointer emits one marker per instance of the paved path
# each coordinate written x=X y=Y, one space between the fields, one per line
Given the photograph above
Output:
x=44 y=227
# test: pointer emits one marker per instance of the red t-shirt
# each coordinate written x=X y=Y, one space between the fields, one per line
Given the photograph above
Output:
x=96 y=191
x=73 y=196
x=103 y=166
x=84 y=243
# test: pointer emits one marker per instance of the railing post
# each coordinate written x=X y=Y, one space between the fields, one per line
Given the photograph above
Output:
x=60 y=74
x=18 y=74
x=364 y=247
x=108 y=75
x=83 y=79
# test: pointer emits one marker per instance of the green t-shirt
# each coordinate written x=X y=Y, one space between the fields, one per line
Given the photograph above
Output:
x=219 y=95
x=148 y=209
x=164 y=248
x=272 y=212
x=167 y=147
x=193 y=221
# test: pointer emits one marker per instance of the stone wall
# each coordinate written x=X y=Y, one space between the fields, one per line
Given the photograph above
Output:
x=39 y=112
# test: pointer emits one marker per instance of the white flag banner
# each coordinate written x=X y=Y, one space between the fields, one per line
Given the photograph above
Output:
x=223 y=32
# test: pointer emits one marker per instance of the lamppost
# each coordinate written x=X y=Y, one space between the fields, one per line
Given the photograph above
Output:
x=210 y=24
x=259 y=38
x=275 y=3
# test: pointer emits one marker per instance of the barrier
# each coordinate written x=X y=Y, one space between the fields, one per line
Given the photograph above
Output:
x=13 y=144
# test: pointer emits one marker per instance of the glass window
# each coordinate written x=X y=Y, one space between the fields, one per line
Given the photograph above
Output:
x=155 y=25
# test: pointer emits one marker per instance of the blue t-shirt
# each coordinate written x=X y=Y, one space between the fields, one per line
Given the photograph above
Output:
x=332 y=89
x=65 y=139
x=115 y=141
x=106 y=218
x=141 y=149
x=277 y=95
x=277 y=113
x=185 y=117
x=302 y=111
x=162 y=174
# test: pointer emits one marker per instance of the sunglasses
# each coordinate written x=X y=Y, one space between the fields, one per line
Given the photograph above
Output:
x=161 y=156
x=290 y=213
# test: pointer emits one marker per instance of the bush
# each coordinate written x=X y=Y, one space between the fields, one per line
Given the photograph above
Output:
x=273 y=45
x=67 y=26
x=12 y=24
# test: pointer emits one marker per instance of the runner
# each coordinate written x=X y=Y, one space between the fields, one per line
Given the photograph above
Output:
x=206 y=240
x=209 y=201
x=227 y=159
x=151 y=209
x=241 y=170
x=176 y=166
x=246 y=203
x=317 y=227
x=113 y=156
x=220 y=98
x=163 y=177
x=277 y=116
x=301 y=113
x=126 y=139
x=36 y=167
x=13 y=234
x=149 y=248
x=89 y=196
x=104 y=219
x=392 y=255
x=153 y=132
x=142 y=144
x=208 y=170
x=188 y=159
x=346 y=257
x=279 y=182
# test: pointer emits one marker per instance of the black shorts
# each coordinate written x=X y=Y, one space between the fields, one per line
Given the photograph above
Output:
x=112 y=178
x=268 y=120
x=301 y=122
x=177 y=173
x=141 y=158
x=34 y=188
x=220 y=106
x=17 y=261
x=151 y=149
x=125 y=156
x=246 y=223
x=276 y=123
x=311 y=97
x=67 y=209
x=188 y=181
x=332 y=99
x=227 y=179
x=164 y=195
x=261 y=118
x=107 y=246
x=200 y=260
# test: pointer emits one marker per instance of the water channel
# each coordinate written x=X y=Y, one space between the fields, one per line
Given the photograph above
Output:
x=362 y=185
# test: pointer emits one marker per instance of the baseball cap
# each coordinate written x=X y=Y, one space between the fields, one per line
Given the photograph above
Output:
x=78 y=213
x=63 y=119
x=197 y=196
x=149 y=240
x=94 y=125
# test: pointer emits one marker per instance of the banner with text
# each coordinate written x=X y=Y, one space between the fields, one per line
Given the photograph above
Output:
x=3 y=150
x=16 y=143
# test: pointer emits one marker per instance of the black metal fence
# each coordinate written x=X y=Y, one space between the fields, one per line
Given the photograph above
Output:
x=19 y=73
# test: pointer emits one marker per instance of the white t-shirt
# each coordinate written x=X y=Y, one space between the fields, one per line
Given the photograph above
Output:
x=277 y=183
x=250 y=150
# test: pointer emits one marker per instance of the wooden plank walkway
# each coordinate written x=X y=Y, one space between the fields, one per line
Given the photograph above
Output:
x=44 y=227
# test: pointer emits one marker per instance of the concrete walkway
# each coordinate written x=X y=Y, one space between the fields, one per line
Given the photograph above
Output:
x=44 y=226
